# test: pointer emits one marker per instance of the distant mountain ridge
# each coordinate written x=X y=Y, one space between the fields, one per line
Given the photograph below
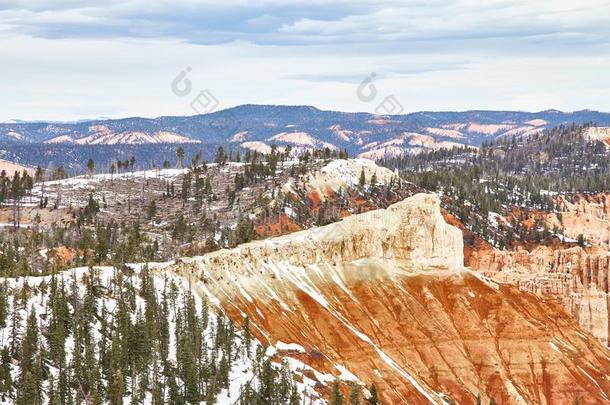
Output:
x=257 y=127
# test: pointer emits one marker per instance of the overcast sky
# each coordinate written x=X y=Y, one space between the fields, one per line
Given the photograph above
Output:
x=72 y=59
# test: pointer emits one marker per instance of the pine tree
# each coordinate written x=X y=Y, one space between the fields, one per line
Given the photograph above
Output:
x=52 y=396
x=247 y=335
x=373 y=395
x=4 y=304
x=28 y=393
x=362 y=181
x=354 y=394
x=180 y=156
x=581 y=240
x=174 y=392
x=157 y=394
x=5 y=371
x=29 y=345
x=90 y=166
x=336 y=398
x=116 y=389
x=294 y=395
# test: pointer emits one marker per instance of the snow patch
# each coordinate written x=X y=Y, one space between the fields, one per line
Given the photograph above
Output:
x=289 y=347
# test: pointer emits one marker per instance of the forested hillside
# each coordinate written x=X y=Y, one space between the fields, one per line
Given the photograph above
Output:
x=517 y=171
x=258 y=127
x=104 y=335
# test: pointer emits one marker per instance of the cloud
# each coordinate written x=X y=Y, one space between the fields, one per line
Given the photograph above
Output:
x=329 y=77
x=388 y=25
x=69 y=59
x=391 y=69
x=196 y=22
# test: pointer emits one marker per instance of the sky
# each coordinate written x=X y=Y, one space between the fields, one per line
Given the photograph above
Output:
x=70 y=59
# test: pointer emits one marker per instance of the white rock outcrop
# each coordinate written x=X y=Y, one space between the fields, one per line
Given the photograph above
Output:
x=412 y=230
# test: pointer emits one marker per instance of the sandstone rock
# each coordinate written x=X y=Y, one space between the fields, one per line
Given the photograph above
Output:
x=384 y=295
x=577 y=279
x=588 y=215
x=412 y=230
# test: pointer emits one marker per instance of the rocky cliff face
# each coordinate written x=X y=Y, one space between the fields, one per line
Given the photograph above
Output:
x=576 y=278
x=588 y=215
x=383 y=298
x=411 y=230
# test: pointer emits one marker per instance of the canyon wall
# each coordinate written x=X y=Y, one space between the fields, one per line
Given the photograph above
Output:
x=383 y=298
x=574 y=277
x=587 y=214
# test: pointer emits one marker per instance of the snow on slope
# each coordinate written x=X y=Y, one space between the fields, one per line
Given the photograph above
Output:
x=11 y=167
x=301 y=139
x=14 y=135
x=406 y=142
x=340 y=133
x=449 y=133
x=537 y=122
x=239 y=137
x=86 y=180
x=387 y=151
x=343 y=174
x=102 y=135
x=487 y=129
x=598 y=134
x=79 y=187
x=75 y=280
x=299 y=145
x=60 y=139
x=501 y=129
x=258 y=146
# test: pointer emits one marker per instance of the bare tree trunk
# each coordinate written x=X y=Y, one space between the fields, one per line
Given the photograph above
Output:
x=14 y=213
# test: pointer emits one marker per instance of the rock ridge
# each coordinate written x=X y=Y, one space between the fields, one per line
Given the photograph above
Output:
x=412 y=230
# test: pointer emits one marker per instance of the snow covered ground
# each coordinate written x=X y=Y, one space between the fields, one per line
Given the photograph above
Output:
x=75 y=281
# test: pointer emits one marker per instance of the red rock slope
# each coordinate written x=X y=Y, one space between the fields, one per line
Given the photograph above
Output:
x=383 y=297
x=576 y=278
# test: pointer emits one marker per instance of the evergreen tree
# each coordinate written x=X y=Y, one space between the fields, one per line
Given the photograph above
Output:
x=4 y=304
x=116 y=388
x=354 y=394
x=336 y=398
x=29 y=346
x=373 y=395
x=29 y=391
x=90 y=166
x=180 y=156
x=6 y=379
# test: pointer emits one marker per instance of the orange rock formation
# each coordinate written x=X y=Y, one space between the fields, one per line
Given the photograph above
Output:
x=383 y=297
x=575 y=278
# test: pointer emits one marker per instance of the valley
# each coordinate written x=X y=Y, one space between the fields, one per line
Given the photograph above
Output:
x=304 y=202
x=438 y=277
